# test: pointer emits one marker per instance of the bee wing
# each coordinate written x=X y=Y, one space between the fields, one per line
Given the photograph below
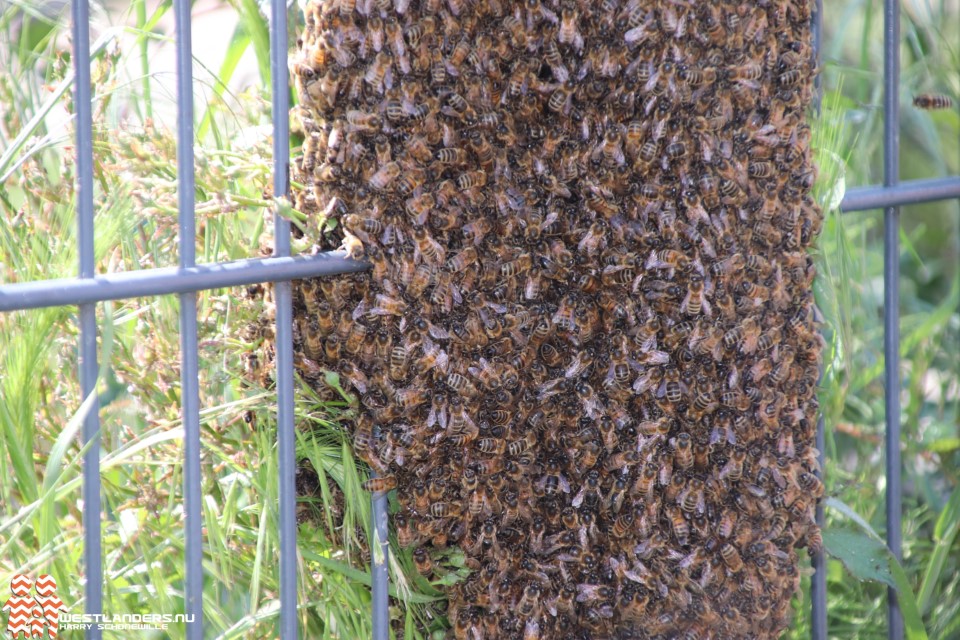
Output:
x=578 y=499
x=576 y=367
x=686 y=302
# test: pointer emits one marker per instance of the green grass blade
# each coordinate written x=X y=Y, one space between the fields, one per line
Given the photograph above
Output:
x=255 y=25
x=239 y=44
x=948 y=524
x=7 y=166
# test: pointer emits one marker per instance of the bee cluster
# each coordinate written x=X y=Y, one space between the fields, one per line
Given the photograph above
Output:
x=586 y=351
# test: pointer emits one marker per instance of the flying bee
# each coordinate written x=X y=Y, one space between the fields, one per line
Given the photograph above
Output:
x=433 y=356
x=410 y=398
x=811 y=484
x=474 y=232
x=932 y=101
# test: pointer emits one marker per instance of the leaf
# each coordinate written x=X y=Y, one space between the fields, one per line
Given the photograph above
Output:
x=867 y=557
x=842 y=507
x=448 y=579
x=944 y=534
x=863 y=556
x=944 y=445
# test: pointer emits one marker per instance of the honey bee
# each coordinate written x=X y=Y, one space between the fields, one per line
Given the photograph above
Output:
x=731 y=557
x=494 y=446
x=398 y=363
x=518 y=447
x=442 y=510
x=364 y=122
x=385 y=175
x=461 y=385
x=472 y=179
x=559 y=100
x=377 y=71
x=667 y=259
x=682 y=451
x=530 y=601
x=569 y=32
x=932 y=101
x=381 y=484
x=680 y=527
x=428 y=247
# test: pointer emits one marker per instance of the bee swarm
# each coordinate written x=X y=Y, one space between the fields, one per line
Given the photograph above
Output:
x=586 y=352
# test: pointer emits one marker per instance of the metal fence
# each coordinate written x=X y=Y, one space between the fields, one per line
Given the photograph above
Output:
x=189 y=278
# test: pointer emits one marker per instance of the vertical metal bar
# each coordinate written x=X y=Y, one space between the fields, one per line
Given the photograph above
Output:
x=817 y=32
x=283 y=299
x=818 y=583
x=891 y=308
x=189 y=369
x=92 y=555
x=381 y=577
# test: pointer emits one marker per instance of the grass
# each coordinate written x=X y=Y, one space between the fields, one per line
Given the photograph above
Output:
x=41 y=409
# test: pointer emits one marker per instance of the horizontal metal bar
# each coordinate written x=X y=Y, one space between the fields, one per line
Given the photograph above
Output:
x=166 y=280
x=910 y=192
